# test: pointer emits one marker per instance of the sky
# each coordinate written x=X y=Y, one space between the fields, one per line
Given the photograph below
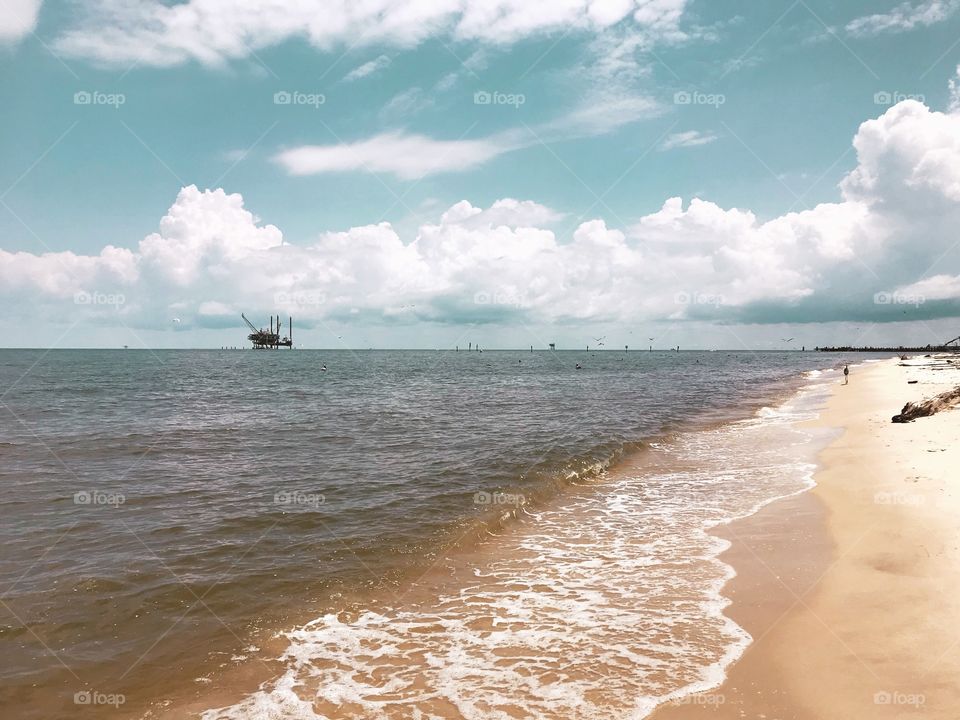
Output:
x=424 y=174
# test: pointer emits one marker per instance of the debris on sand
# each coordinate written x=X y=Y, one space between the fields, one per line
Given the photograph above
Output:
x=943 y=401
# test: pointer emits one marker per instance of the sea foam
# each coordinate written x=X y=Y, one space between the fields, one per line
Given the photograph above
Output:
x=604 y=604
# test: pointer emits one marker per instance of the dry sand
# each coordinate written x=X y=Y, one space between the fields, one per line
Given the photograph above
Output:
x=852 y=592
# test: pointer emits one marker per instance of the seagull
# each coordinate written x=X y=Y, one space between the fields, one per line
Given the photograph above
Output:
x=786 y=339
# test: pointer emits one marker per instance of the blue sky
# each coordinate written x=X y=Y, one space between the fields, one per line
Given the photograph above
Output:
x=588 y=123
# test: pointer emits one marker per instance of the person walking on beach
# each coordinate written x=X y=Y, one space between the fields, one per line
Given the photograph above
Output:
x=846 y=374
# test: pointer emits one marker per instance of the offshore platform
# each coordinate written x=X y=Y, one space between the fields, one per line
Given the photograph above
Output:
x=269 y=339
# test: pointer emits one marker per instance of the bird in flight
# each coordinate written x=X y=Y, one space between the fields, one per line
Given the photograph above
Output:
x=786 y=339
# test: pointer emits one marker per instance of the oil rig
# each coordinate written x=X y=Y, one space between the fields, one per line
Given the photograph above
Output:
x=269 y=339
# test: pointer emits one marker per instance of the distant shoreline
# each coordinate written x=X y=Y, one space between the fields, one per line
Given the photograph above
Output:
x=526 y=350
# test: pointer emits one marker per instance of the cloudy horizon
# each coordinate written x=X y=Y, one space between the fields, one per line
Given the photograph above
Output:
x=436 y=174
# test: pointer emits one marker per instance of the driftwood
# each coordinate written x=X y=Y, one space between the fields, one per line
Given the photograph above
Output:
x=943 y=401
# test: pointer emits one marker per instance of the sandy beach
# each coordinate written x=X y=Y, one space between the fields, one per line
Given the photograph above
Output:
x=848 y=591
x=851 y=591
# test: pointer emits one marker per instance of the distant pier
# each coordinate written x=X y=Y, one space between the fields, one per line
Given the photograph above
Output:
x=898 y=349
x=950 y=346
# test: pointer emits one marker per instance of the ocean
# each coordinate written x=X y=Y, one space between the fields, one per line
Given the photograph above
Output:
x=404 y=534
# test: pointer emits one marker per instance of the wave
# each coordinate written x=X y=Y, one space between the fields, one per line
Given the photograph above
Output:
x=601 y=601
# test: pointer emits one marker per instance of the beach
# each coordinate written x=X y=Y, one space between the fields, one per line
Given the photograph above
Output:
x=480 y=360
x=780 y=550
x=459 y=532
x=850 y=591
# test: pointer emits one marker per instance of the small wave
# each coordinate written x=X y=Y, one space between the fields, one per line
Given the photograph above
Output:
x=604 y=605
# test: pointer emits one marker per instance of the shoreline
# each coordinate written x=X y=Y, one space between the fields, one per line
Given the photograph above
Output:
x=850 y=593
x=232 y=683
x=791 y=395
x=872 y=538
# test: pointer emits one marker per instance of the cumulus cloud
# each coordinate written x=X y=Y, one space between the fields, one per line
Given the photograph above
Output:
x=690 y=138
x=213 y=31
x=904 y=17
x=954 y=89
x=510 y=212
x=17 y=19
x=894 y=227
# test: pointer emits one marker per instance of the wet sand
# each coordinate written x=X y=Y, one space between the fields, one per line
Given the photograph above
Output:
x=857 y=621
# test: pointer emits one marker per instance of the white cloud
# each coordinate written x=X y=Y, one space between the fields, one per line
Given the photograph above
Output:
x=17 y=19
x=507 y=211
x=690 y=138
x=412 y=156
x=214 y=31
x=608 y=102
x=200 y=228
x=406 y=104
x=909 y=154
x=406 y=156
x=368 y=68
x=600 y=113
x=605 y=84
x=906 y=16
x=897 y=215
x=953 y=86
x=938 y=287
